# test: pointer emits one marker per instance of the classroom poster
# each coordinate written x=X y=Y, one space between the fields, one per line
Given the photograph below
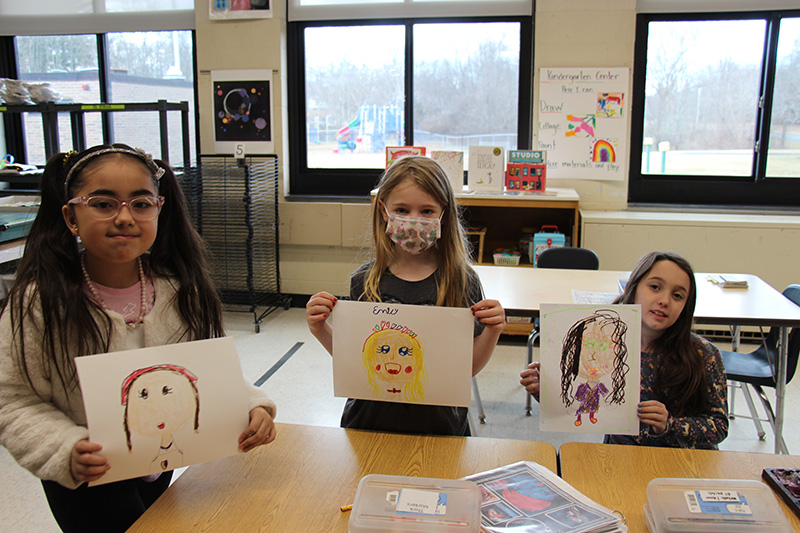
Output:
x=160 y=408
x=242 y=104
x=402 y=353
x=239 y=9
x=590 y=368
x=583 y=122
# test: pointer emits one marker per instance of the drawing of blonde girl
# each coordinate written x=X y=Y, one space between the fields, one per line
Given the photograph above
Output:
x=160 y=401
x=393 y=361
x=593 y=348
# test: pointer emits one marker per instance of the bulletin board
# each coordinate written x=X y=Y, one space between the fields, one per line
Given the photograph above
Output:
x=583 y=122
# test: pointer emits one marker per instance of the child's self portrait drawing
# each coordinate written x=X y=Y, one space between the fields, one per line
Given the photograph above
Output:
x=593 y=349
x=160 y=401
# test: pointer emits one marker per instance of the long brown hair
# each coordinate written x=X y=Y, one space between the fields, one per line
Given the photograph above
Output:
x=681 y=382
x=50 y=271
x=451 y=249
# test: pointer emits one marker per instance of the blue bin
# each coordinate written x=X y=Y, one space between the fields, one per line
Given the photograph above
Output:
x=549 y=237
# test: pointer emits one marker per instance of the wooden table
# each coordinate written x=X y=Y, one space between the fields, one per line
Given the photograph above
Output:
x=299 y=482
x=617 y=476
x=523 y=290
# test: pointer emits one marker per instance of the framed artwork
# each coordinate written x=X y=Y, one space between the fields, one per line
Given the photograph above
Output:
x=402 y=353
x=160 y=408
x=590 y=368
x=239 y=9
x=243 y=118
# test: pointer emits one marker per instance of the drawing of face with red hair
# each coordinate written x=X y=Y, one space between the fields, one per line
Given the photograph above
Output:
x=393 y=361
x=159 y=401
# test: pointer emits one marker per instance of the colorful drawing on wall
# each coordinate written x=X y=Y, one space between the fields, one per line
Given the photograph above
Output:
x=580 y=126
x=161 y=400
x=594 y=354
x=400 y=353
x=147 y=407
x=603 y=152
x=242 y=104
x=239 y=9
x=610 y=105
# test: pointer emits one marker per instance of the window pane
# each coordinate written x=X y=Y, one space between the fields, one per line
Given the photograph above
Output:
x=701 y=97
x=69 y=64
x=783 y=158
x=466 y=85
x=147 y=67
x=354 y=95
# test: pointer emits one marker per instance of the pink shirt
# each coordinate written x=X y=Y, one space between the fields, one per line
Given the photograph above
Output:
x=126 y=302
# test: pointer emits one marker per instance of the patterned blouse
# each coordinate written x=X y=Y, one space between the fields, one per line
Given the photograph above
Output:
x=705 y=430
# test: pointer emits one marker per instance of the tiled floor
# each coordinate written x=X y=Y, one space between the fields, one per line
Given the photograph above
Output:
x=303 y=389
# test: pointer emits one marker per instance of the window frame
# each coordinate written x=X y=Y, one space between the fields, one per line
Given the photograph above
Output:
x=14 y=126
x=353 y=182
x=755 y=190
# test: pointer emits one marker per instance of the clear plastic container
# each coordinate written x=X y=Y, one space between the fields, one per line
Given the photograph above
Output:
x=400 y=504
x=712 y=505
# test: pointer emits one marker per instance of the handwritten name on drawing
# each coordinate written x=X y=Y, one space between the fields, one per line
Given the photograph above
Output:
x=393 y=325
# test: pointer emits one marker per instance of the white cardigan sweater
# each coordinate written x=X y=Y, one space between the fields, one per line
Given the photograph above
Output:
x=40 y=430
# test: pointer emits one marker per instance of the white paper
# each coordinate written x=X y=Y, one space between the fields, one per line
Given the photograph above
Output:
x=402 y=353
x=165 y=407
x=599 y=349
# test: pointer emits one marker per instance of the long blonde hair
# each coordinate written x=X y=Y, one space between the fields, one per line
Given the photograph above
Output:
x=452 y=247
x=414 y=390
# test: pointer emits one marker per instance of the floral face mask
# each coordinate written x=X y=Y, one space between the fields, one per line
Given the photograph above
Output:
x=413 y=234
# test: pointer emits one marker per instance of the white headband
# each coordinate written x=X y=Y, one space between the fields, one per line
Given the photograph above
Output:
x=135 y=152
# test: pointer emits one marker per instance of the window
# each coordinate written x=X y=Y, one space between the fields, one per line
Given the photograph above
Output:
x=356 y=86
x=112 y=51
x=716 y=110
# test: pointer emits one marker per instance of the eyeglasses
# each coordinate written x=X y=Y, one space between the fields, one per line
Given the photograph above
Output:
x=108 y=207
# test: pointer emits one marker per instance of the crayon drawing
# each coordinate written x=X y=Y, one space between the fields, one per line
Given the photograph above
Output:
x=590 y=368
x=394 y=362
x=401 y=353
x=161 y=400
x=603 y=152
x=148 y=407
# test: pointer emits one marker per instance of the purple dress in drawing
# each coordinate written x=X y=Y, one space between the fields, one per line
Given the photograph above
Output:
x=589 y=397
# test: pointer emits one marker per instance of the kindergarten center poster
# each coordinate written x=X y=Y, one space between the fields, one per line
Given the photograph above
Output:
x=402 y=353
x=590 y=368
x=583 y=122
x=160 y=408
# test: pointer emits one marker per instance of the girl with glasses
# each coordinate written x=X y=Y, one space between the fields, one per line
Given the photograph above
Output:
x=112 y=262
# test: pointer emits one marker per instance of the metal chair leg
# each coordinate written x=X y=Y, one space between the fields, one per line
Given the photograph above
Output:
x=534 y=334
x=753 y=413
x=780 y=442
x=481 y=414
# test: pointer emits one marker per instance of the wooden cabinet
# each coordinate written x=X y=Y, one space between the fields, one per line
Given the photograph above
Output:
x=506 y=216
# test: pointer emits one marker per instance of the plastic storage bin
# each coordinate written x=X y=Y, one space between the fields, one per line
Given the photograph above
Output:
x=386 y=504
x=502 y=259
x=549 y=237
x=712 y=505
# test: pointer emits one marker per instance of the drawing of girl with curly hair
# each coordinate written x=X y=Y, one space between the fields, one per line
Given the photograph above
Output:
x=393 y=361
x=593 y=348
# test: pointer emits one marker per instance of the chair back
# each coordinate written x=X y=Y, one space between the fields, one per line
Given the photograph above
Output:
x=568 y=257
x=792 y=292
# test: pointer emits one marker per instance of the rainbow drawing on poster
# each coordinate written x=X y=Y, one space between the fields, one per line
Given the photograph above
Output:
x=394 y=362
x=583 y=124
x=609 y=105
x=603 y=152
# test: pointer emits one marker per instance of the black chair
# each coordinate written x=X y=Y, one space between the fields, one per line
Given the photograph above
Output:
x=568 y=257
x=559 y=257
x=757 y=369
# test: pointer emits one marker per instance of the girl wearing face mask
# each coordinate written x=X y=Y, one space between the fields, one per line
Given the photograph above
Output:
x=420 y=258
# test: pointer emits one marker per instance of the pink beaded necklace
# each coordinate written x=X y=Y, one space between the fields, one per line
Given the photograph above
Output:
x=143 y=289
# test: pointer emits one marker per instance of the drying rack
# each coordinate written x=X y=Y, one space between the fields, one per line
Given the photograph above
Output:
x=234 y=205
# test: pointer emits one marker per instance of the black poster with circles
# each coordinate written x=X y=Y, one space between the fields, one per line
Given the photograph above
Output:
x=242 y=106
